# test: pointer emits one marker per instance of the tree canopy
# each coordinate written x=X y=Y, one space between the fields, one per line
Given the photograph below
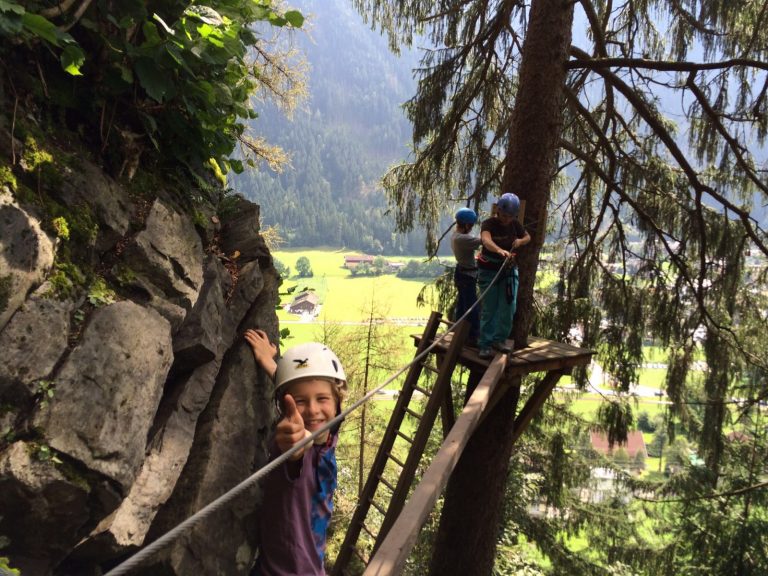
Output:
x=174 y=76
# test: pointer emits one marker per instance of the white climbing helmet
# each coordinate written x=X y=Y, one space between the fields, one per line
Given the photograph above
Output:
x=310 y=360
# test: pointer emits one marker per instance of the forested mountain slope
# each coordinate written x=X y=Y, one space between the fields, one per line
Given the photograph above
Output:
x=341 y=139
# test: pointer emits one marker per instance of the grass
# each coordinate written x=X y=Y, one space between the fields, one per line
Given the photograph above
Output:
x=345 y=298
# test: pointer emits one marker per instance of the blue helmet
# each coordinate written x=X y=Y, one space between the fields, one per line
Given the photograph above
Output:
x=466 y=216
x=509 y=204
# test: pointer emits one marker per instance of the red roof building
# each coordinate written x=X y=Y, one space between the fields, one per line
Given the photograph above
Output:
x=635 y=443
x=351 y=262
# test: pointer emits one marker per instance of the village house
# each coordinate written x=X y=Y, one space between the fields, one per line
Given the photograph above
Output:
x=351 y=262
x=304 y=303
x=635 y=443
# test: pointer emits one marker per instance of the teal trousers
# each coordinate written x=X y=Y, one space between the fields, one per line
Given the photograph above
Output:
x=498 y=306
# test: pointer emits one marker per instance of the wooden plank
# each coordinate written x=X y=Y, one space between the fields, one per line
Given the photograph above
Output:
x=535 y=402
x=540 y=355
x=396 y=547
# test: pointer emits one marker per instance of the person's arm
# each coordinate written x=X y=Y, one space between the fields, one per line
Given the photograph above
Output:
x=491 y=246
x=263 y=350
x=521 y=241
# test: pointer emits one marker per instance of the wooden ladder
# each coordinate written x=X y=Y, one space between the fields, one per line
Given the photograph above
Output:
x=438 y=397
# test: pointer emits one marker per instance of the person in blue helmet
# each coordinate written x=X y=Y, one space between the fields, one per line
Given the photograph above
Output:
x=501 y=236
x=464 y=245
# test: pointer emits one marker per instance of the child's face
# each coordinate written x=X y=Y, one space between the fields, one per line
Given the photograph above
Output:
x=316 y=403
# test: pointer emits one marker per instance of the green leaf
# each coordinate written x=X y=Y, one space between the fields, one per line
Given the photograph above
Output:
x=11 y=7
x=295 y=18
x=236 y=166
x=72 y=58
x=205 y=30
x=156 y=82
x=151 y=36
x=42 y=28
x=205 y=14
x=126 y=73
x=11 y=26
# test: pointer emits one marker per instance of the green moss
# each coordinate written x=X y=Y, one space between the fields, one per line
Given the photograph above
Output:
x=4 y=564
x=66 y=280
x=34 y=157
x=71 y=473
x=82 y=225
x=199 y=219
x=26 y=195
x=124 y=275
x=39 y=161
x=61 y=227
x=7 y=178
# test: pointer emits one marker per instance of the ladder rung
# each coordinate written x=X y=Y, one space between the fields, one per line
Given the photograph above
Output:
x=387 y=484
x=395 y=460
x=359 y=555
x=405 y=437
x=365 y=529
x=414 y=414
x=379 y=508
x=430 y=368
x=426 y=393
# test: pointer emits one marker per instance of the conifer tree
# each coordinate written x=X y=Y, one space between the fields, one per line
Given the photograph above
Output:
x=638 y=148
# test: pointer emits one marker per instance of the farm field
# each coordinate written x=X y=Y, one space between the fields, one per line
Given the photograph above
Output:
x=345 y=298
x=346 y=305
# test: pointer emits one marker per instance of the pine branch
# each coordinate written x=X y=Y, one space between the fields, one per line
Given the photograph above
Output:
x=584 y=61
x=713 y=495
x=734 y=145
x=751 y=226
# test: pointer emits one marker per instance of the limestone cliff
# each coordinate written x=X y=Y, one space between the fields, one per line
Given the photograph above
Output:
x=128 y=397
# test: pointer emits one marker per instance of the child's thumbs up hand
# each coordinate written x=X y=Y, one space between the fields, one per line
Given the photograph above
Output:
x=290 y=429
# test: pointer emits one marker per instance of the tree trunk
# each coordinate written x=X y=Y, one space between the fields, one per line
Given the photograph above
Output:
x=535 y=136
x=466 y=539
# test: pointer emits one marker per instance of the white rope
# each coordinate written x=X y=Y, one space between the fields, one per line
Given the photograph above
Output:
x=168 y=538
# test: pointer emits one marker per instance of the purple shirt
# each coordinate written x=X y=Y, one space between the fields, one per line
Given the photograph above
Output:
x=295 y=513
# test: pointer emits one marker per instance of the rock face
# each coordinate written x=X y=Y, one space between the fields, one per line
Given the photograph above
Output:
x=26 y=255
x=126 y=406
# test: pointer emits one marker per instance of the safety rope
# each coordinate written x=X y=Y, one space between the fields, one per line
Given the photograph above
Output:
x=170 y=536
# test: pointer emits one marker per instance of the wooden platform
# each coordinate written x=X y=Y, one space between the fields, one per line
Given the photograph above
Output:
x=539 y=356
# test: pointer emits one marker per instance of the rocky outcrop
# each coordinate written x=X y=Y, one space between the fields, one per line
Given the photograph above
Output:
x=35 y=338
x=108 y=390
x=26 y=255
x=129 y=400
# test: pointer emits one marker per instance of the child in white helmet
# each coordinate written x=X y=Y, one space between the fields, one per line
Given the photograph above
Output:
x=310 y=385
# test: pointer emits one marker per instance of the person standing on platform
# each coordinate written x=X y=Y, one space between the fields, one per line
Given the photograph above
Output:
x=464 y=245
x=501 y=235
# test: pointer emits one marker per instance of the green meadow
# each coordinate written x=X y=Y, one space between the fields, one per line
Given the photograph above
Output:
x=345 y=298
x=348 y=301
